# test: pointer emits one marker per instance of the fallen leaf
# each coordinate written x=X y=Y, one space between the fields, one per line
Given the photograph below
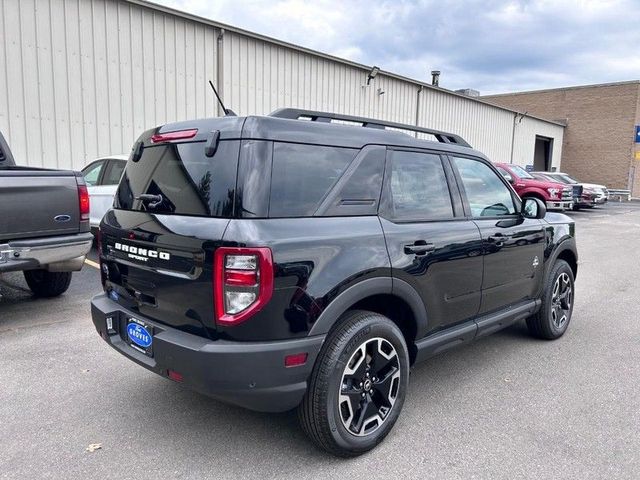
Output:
x=93 y=447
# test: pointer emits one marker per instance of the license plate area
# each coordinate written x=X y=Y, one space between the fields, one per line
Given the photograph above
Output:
x=139 y=336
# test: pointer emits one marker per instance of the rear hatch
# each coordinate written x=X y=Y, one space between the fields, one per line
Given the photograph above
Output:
x=170 y=213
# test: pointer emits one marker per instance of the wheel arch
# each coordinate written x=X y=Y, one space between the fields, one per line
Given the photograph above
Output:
x=566 y=251
x=391 y=297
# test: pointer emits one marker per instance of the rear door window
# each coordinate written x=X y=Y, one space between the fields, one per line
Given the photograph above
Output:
x=113 y=172
x=302 y=175
x=418 y=188
x=182 y=180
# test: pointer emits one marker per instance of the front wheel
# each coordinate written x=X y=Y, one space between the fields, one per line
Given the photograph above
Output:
x=47 y=284
x=554 y=315
x=358 y=385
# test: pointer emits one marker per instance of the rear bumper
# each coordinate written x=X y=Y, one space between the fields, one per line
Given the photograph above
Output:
x=58 y=254
x=250 y=375
x=559 y=205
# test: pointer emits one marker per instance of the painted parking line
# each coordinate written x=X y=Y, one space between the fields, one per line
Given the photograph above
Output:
x=91 y=263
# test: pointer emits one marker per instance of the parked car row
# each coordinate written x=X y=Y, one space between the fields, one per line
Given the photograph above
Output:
x=557 y=190
x=585 y=194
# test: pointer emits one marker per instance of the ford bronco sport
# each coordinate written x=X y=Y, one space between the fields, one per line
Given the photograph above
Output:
x=306 y=260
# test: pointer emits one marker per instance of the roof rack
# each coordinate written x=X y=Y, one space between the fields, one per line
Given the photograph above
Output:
x=326 y=117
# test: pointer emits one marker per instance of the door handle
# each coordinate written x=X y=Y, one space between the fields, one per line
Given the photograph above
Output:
x=419 y=247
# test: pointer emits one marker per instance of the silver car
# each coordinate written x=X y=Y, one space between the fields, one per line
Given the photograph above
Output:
x=102 y=177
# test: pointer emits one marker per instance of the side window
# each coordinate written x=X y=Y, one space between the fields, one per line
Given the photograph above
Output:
x=487 y=195
x=91 y=174
x=507 y=176
x=302 y=175
x=113 y=172
x=358 y=192
x=418 y=188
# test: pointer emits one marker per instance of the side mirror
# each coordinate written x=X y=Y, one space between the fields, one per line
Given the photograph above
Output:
x=509 y=179
x=533 y=208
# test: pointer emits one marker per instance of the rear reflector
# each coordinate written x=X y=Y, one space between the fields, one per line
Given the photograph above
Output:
x=239 y=277
x=295 y=360
x=83 y=199
x=173 y=136
x=242 y=283
x=175 y=376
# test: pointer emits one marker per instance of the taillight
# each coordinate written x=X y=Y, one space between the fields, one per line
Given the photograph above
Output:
x=173 y=136
x=83 y=199
x=242 y=282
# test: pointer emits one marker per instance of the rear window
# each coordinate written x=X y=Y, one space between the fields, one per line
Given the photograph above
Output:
x=183 y=180
x=302 y=175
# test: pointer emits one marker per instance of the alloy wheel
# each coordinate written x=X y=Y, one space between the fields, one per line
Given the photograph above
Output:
x=369 y=386
x=561 y=299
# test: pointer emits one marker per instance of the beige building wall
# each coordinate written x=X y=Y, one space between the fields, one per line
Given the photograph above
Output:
x=599 y=139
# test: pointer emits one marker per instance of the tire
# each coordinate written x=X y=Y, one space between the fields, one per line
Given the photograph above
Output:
x=331 y=412
x=554 y=316
x=47 y=284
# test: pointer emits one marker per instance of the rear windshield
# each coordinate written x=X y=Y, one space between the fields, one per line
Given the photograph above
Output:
x=179 y=179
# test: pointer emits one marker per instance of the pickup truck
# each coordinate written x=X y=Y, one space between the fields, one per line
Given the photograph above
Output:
x=44 y=224
x=555 y=195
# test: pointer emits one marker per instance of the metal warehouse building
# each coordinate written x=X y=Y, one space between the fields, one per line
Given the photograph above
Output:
x=81 y=79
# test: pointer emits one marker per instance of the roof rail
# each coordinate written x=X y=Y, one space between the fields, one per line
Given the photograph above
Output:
x=326 y=117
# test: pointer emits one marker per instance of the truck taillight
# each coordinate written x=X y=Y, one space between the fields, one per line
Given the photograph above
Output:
x=83 y=199
x=242 y=283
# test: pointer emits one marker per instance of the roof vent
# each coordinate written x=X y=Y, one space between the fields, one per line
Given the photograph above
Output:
x=469 y=92
x=435 y=78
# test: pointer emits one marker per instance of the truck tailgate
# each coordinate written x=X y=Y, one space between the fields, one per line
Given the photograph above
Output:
x=38 y=203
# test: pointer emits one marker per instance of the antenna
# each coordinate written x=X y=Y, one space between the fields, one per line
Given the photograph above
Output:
x=227 y=111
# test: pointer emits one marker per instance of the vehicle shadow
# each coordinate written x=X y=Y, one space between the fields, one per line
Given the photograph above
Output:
x=274 y=444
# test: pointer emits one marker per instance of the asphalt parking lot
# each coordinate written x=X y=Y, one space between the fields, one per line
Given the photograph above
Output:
x=507 y=406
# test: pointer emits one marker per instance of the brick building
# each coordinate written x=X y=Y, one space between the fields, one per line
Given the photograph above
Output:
x=599 y=140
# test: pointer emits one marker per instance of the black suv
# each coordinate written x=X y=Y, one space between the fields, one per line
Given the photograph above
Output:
x=307 y=259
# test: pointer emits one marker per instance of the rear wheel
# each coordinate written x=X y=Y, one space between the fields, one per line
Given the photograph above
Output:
x=47 y=284
x=358 y=385
x=554 y=315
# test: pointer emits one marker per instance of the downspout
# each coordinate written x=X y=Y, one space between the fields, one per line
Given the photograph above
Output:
x=513 y=131
x=513 y=134
x=219 y=70
x=420 y=88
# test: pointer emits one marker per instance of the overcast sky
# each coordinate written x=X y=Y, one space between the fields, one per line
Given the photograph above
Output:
x=492 y=46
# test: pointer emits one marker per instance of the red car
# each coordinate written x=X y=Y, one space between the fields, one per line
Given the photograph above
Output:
x=556 y=196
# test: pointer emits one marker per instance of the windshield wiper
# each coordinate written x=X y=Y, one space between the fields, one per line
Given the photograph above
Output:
x=154 y=200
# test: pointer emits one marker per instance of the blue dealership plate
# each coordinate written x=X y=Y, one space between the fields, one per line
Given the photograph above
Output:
x=140 y=336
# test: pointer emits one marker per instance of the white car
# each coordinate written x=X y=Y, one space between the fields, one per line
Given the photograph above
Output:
x=102 y=177
x=598 y=193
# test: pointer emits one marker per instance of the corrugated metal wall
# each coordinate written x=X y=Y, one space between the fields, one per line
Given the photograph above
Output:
x=81 y=79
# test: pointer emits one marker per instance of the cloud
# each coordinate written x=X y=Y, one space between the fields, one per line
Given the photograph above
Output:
x=493 y=46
